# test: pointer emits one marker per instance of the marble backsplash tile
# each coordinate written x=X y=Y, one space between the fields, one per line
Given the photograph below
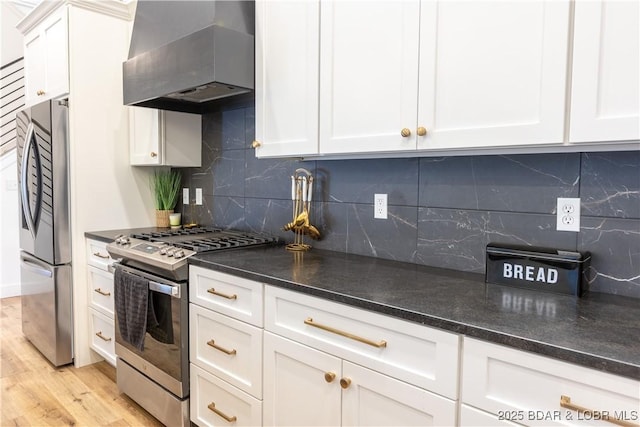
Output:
x=610 y=184
x=519 y=183
x=615 y=249
x=442 y=211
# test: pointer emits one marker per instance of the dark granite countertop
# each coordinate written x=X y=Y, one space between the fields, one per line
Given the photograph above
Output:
x=598 y=331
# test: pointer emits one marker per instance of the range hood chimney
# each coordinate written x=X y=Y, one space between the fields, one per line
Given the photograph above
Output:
x=185 y=55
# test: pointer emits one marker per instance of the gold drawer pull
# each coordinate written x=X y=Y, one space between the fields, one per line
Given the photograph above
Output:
x=565 y=402
x=212 y=407
x=213 y=291
x=99 y=255
x=101 y=292
x=102 y=337
x=378 y=344
x=213 y=344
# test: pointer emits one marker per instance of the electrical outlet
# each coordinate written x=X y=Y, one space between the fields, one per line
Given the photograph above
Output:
x=185 y=196
x=198 y=196
x=568 y=214
x=380 y=206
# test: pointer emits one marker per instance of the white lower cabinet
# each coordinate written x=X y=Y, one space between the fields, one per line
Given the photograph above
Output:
x=100 y=295
x=329 y=364
x=529 y=389
x=225 y=349
x=305 y=386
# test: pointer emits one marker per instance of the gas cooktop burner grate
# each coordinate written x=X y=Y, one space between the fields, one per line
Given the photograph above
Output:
x=203 y=239
x=153 y=235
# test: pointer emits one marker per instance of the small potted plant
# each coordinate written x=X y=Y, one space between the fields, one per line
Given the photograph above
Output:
x=166 y=190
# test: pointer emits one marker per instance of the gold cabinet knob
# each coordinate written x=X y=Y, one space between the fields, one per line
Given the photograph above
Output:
x=405 y=132
x=40 y=92
x=256 y=144
x=329 y=376
x=154 y=154
x=345 y=382
x=421 y=131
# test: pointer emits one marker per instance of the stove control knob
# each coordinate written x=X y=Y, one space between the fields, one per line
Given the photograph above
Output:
x=163 y=250
x=171 y=251
x=178 y=254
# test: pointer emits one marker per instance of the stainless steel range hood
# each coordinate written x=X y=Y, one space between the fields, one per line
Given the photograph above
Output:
x=185 y=55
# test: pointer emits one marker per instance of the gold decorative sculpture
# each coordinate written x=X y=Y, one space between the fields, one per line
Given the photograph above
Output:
x=301 y=193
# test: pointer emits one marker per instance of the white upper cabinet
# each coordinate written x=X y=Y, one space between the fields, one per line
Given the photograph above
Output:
x=164 y=138
x=349 y=78
x=368 y=75
x=492 y=73
x=287 y=66
x=605 y=90
x=46 y=56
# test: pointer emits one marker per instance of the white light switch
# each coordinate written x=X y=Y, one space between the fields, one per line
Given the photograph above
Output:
x=198 y=196
x=185 y=196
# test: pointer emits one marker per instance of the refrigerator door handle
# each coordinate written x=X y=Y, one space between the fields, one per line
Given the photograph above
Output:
x=36 y=268
x=26 y=208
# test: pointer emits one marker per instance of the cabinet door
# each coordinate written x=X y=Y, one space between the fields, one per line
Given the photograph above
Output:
x=34 y=65
x=287 y=62
x=492 y=73
x=605 y=97
x=373 y=399
x=144 y=136
x=164 y=138
x=296 y=390
x=47 y=59
x=55 y=30
x=368 y=75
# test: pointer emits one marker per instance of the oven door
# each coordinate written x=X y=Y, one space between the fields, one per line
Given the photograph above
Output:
x=164 y=357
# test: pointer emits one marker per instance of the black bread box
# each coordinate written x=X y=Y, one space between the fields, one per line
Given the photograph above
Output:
x=542 y=269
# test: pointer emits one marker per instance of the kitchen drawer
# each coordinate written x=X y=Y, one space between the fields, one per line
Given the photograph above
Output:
x=97 y=254
x=527 y=388
x=230 y=295
x=227 y=348
x=473 y=417
x=100 y=289
x=413 y=353
x=209 y=392
x=103 y=335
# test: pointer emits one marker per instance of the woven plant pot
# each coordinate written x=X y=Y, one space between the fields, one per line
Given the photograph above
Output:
x=162 y=218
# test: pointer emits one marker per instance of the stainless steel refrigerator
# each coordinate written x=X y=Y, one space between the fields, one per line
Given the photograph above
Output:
x=45 y=239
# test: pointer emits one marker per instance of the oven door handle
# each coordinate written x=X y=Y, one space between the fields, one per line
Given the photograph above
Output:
x=173 y=291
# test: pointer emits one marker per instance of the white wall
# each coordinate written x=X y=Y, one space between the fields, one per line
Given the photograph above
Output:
x=9 y=249
x=11 y=13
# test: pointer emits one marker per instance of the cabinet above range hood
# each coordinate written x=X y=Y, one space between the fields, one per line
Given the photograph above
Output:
x=185 y=55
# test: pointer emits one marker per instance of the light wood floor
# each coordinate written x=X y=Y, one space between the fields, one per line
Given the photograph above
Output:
x=34 y=393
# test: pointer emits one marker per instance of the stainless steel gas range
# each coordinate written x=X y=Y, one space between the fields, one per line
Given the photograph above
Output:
x=151 y=305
